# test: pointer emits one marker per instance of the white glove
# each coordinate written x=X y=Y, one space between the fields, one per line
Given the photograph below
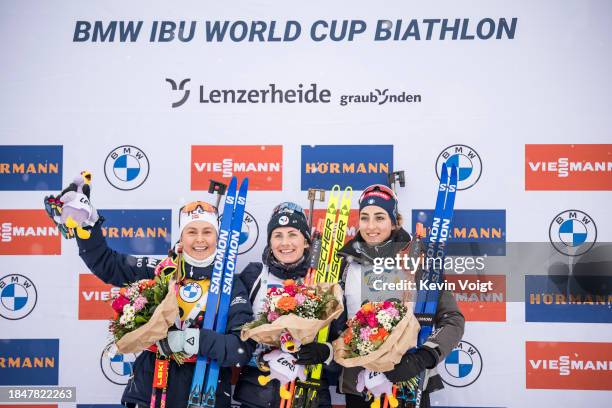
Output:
x=187 y=341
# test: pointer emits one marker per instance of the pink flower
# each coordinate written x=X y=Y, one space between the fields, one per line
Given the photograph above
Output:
x=364 y=333
x=361 y=318
x=372 y=320
x=393 y=312
x=272 y=316
x=139 y=302
x=387 y=305
x=300 y=298
x=119 y=302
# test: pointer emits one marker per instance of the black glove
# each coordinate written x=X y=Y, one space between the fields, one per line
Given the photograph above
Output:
x=411 y=365
x=313 y=353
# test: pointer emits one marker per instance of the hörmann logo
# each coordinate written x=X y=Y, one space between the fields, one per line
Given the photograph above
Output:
x=262 y=164
x=29 y=361
x=28 y=232
x=577 y=298
x=474 y=232
x=568 y=167
x=358 y=166
x=142 y=232
x=568 y=365
x=30 y=168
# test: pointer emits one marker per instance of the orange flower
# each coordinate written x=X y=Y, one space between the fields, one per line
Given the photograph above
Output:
x=287 y=303
x=380 y=334
x=289 y=282
x=348 y=337
x=367 y=308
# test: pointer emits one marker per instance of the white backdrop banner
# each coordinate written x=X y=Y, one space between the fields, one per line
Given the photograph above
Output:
x=155 y=99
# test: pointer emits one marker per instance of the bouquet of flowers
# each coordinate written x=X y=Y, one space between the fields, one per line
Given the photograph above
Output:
x=134 y=305
x=371 y=326
x=143 y=312
x=295 y=308
x=377 y=336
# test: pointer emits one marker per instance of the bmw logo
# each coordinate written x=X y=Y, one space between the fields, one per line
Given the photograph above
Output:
x=117 y=368
x=17 y=296
x=467 y=161
x=462 y=366
x=250 y=232
x=191 y=292
x=572 y=232
x=126 y=167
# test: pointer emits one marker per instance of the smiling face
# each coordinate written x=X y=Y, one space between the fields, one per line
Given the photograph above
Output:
x=287 y=244
x=375 y=225
x=199 y=239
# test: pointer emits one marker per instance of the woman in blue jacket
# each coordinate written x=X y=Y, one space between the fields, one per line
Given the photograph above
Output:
x=198 y=224
x=287 y=256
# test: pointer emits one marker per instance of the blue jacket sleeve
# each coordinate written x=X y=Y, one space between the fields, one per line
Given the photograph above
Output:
x=111 y=266
x=227 y=348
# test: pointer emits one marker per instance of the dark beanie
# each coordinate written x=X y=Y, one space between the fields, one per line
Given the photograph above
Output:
x=382 y=197
x=289 y=218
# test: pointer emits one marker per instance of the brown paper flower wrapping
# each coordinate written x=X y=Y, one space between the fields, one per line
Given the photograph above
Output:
x=156 y=328
x=302 y=329
x=403 y=337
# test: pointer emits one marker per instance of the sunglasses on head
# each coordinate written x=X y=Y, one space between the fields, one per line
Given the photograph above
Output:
x=194 y=205
x=288 y=207
x=380 y=189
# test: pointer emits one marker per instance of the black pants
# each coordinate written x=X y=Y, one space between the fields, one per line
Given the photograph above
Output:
x=357 y=401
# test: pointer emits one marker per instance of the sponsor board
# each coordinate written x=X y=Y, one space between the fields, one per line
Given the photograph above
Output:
x=29 y=361
x=116 y=368
x=262 y=164
x=357 y=166
x=142 y=232
x=467 y=161
x=473 y=232
x=569 y=299
x=95 y=298
x=576 y=167
x=462 y=366
x=568 y=365
x=18 y=296
x=25 y=168
x=572 y=232
x=249 y=233
x=477 y=306
x=28 y=232
x=126 y=167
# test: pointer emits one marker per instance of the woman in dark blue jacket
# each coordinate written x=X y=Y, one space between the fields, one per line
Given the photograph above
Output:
x=285 y=257
x=198 y=237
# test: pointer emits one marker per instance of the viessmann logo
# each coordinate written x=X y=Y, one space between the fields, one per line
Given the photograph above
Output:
x=28 y=232
x=262 y=164
x=568 y=167
x=569 y=365
x=94 y=298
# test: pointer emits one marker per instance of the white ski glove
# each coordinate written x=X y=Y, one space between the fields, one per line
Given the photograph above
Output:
x=187 y=341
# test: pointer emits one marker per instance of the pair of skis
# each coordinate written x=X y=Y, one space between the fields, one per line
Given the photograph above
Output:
x=333 y=233
x=206 y=373
x=411 y=392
